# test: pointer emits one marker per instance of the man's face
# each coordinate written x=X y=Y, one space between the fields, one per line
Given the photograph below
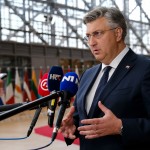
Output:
x=103 y=40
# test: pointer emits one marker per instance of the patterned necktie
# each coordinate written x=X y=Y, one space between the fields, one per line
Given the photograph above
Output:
x=100 y=88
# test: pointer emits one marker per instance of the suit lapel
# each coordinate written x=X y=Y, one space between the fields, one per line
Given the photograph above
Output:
x=91 y=76
x=121 y=71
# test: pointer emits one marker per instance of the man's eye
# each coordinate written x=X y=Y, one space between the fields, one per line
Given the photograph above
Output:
x=87 y=36
x=95 y=33
x=98 y=33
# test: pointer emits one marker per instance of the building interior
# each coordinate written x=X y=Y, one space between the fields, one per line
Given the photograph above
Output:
x=44 y=33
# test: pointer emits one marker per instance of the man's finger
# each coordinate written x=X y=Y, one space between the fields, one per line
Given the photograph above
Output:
x=102 y=107
x=71 y=111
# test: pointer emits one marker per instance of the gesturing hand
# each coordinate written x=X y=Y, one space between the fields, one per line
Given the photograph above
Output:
x=109 y=124
x=67 y=127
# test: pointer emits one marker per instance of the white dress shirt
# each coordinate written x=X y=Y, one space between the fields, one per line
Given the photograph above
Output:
x=113 y=64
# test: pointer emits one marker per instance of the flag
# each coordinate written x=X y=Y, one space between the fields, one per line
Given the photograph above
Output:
x=88 y=66
x=48 y=68
x=63 y=68
x=26 y=88
x=69 y=69
x=9 y=89
x=83 y=68
x=40 y=74
x=34 y=91
x=76 y=70
x=2 y=96
x=18 y=90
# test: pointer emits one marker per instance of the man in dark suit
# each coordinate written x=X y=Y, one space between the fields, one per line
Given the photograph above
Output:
x=116 y=116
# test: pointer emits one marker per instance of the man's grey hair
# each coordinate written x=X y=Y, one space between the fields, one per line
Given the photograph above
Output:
x=113 y=15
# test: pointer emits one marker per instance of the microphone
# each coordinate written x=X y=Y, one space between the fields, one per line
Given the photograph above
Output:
x=30 y=105
x=34 y=120
x=10 y=106
x=69 y=87
x=7 y=107
x=54 y=77
x=43 y=91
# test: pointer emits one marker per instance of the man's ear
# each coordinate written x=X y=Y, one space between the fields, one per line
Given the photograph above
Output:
x=119 y=33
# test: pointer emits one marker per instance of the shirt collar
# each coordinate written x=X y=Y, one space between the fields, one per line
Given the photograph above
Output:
x=117 y=59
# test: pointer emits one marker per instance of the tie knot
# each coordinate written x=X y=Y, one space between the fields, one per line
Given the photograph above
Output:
x=107 y=68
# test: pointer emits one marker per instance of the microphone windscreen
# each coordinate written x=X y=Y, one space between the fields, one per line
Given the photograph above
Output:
x=43 y=88
x=54 y=78
x=70 y=83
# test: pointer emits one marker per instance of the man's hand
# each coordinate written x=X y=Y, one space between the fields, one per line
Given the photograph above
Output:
x=109 y=124
x=67 y=127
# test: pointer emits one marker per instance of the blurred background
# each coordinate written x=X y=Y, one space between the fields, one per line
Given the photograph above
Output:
x=38 y=34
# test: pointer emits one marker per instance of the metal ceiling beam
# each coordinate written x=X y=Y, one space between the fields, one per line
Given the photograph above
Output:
x=58 y=5
x=134 y=31
x=69 y=25
x=139 y=4
x=21 y=28
x=86 y=4
x=25 y=22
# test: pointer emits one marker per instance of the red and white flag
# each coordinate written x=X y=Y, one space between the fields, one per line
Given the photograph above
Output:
x=26 y=88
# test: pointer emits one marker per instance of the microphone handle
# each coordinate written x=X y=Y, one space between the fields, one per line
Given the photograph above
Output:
x=64 y=104
x=59 y=120
x=51 y=111
x=34 y=120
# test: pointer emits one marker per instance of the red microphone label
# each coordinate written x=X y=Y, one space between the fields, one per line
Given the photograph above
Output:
x=43 y=87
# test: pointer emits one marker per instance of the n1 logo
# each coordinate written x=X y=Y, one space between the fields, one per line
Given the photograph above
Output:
x=70 y=78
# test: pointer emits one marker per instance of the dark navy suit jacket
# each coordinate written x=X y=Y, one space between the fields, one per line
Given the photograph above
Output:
x=127 y=95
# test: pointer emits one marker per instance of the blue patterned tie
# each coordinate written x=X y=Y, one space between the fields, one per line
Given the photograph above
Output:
x=100 y=88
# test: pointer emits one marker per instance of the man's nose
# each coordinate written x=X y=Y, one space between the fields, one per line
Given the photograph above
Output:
x=92 y=41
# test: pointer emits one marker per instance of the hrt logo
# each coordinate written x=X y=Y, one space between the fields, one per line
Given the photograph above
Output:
x=70 y=79
x=55 y=77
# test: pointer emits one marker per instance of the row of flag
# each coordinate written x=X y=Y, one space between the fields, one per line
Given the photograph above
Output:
x=23 y=90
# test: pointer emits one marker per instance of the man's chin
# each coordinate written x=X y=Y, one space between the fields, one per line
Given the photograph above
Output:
x=97 y=58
